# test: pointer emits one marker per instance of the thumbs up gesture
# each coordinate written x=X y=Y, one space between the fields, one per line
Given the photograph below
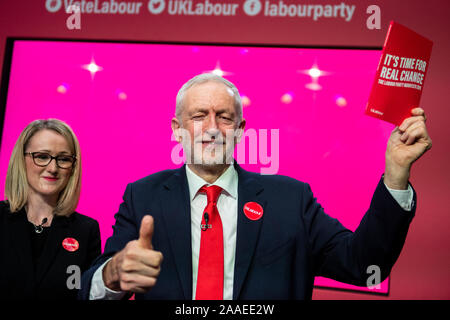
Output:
x=146 y=233
x=137 y=266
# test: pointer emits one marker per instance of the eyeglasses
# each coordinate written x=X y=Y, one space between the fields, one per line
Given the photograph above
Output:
x=43 y=159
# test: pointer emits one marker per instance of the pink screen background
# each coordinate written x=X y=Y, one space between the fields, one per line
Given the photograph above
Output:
x=122 y=114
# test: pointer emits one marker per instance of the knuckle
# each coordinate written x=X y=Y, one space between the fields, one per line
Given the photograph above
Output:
x=127 y=266
x=157 y=271
x=157 y=260
x=152 y=281
x=124 y=286
x=125 y=278
x=131 y=254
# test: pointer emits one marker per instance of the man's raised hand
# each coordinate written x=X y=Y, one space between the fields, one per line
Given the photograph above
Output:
x=136 y=267
x=406 y=144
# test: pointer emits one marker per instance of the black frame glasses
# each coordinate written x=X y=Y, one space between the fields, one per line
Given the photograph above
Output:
x=62 y=161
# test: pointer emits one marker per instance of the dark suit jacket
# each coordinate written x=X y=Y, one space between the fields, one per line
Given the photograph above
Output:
x=23 y=278
x=277 y=256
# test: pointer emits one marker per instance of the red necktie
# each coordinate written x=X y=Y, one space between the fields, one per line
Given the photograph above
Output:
x=210 y=264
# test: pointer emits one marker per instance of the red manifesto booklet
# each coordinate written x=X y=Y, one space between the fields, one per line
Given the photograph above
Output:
x=400 y=75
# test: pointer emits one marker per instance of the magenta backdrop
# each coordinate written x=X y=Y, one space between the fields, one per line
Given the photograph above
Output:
x=121 y=116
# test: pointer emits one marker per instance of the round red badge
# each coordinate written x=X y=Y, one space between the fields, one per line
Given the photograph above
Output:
x=70 y=244
x=253 y=210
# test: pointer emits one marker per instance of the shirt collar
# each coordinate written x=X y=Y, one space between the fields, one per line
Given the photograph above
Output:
x=227 y=181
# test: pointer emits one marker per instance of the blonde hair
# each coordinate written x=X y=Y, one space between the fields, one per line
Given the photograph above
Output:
x=16 y=185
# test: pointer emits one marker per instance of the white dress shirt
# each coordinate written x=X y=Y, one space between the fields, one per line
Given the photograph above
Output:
x=227 y=207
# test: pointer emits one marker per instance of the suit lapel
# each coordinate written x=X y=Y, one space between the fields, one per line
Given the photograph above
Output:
x=175 y=206
x=249 y=190
x=58 y=231
x=176 y=210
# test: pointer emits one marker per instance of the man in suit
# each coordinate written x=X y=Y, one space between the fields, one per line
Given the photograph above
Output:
x=211 y=230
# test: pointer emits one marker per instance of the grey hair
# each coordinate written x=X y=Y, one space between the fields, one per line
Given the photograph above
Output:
x=208 y=77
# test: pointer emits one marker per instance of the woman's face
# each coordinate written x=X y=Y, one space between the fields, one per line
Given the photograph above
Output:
x=50 y=180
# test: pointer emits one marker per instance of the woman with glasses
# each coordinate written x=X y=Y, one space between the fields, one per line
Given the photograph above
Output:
x=44 y=244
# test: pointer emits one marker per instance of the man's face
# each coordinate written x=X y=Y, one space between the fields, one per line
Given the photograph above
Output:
x=208 y=124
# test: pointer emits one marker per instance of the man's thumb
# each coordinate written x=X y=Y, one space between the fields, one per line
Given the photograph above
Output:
x=146 y=232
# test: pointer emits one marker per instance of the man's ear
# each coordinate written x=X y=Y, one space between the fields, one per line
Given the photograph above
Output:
x=240 y=131
x=175 y=124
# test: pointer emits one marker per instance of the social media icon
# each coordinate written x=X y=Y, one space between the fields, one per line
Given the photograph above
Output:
x=53 y=5
x=252 y=7
x=156 y=6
